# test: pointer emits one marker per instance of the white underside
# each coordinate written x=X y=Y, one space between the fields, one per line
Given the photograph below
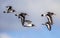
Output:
x=11 y=11
x=26 y=24
x=49 y=19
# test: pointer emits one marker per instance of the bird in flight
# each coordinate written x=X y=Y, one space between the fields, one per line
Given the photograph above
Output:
x=50 y=20
x=22 y=17
x=25 y=23
x=9 y=9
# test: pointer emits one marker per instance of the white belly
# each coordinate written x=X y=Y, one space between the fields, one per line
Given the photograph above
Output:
x=27 y=24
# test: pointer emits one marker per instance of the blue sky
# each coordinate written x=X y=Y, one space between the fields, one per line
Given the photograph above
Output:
x=10 y=25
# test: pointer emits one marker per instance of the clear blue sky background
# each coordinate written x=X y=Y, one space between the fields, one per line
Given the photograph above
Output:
x=10 y=25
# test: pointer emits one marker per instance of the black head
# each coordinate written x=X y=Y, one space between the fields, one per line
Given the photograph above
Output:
x=33 y=25
x=42 y=15
x=13 y=10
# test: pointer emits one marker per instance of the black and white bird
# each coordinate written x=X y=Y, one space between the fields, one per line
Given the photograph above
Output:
x=9 y=9
x=25 y=23
x=50 y=21
x=49 y=17
x=22 y=17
